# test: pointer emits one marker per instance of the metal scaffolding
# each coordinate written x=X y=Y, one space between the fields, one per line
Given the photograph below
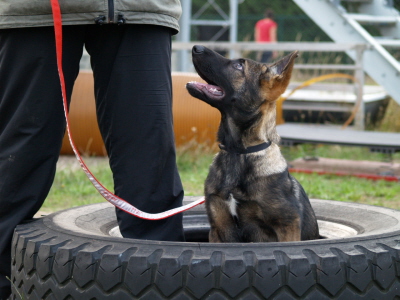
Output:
x=228 y=21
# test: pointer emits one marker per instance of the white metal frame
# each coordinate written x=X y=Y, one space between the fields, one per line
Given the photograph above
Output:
x=229 y=20
x=343 y=28
x=357 y=51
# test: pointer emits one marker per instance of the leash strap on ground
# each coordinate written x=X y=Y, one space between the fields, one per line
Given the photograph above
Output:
x=110 y=197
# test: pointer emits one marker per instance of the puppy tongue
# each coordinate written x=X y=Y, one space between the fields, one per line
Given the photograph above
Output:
x=212 y=89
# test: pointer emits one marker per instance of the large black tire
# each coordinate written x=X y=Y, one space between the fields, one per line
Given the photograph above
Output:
x=72 y=255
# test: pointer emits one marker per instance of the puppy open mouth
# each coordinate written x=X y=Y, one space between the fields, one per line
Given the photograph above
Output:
x=209 y=90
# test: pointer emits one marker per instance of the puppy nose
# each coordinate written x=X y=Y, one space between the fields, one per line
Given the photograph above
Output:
x=197 y=49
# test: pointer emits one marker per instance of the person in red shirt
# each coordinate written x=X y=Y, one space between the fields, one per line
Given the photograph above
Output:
x=265 y=32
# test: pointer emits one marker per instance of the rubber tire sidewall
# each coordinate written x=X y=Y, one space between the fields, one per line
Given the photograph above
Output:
x=69 y=254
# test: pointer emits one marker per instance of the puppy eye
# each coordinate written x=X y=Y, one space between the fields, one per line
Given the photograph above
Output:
x=238 y=66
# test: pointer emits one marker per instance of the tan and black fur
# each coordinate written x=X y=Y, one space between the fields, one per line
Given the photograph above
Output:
x=250 y=197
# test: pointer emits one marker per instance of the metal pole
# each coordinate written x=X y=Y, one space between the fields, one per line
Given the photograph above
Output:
x=233 y=26
x=359 y=121
x=184 y=34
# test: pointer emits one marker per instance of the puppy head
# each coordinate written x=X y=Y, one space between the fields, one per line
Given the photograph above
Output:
x=238 y=87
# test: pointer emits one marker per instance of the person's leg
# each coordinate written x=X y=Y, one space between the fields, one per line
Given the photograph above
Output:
x=132 y=71
x=31 y=126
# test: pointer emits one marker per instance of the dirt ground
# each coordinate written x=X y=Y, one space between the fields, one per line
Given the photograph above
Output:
x=345 y=166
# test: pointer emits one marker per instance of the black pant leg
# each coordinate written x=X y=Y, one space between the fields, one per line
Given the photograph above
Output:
x=31 y=125
x=132 y=71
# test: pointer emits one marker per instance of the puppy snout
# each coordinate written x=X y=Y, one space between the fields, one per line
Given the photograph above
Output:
x=197 y=49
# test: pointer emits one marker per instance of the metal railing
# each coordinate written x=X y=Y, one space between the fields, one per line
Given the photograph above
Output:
x=182 y=49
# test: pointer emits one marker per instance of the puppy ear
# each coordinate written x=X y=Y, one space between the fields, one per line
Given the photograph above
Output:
x=282 y=67
x=277 y=75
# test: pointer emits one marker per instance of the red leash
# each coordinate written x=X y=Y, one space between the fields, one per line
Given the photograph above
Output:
x=110 y=197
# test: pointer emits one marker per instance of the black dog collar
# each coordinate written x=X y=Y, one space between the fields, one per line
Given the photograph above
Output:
x=248 y=150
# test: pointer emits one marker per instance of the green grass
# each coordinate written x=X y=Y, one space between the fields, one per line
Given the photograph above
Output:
x=72 y=188
x=193 y=163
x=351 y=189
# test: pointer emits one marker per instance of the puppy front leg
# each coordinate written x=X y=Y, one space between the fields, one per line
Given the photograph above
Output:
x=223 y=226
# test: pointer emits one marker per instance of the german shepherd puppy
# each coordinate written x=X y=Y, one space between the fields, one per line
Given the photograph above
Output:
x=250 y=195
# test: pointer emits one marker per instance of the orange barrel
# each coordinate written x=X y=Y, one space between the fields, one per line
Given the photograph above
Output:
x=194 y=120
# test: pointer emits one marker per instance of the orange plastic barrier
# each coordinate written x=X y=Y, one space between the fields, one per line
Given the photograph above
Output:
x=194 y=120
x=83 y=120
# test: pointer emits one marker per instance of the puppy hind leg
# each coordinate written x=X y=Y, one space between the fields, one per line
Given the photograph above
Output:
x=289 y=232
x=223 y=226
